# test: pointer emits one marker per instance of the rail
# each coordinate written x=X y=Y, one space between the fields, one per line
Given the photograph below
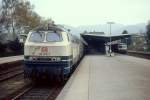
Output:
x=36 y=93
x=139 y=54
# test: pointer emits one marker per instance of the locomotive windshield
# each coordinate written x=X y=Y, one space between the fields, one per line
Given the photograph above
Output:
x=36 y=37
x=53 y=37
x=50 y=37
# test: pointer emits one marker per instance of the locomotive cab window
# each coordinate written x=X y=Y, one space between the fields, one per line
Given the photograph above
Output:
x=36 y=37
x=54 y=37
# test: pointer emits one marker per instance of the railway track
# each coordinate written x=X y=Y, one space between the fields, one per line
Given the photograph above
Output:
x=139 y=54
x=8 y=74
x=39 y=93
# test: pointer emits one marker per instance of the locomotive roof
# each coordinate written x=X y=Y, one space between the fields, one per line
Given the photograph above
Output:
x=48 y=28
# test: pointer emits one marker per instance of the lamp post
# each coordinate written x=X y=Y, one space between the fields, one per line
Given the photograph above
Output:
x=110 y=23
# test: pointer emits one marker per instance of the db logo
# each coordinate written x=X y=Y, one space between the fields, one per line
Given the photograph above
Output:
x=44 y=49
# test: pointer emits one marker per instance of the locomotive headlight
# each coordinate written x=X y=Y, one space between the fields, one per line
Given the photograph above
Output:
x=58 y=59
x=32 y=58
x=53 y=59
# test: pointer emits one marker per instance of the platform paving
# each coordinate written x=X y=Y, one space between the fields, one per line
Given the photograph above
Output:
x=99 y=77
x=10 y=59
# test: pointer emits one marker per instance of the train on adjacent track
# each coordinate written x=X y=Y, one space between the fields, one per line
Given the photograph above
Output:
x=122 y=48
x=51 y=52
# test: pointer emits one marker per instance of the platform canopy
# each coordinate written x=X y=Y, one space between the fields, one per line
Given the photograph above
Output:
x=99 y=40
x=103 y=38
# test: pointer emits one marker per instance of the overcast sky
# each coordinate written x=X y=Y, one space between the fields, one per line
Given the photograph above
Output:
x=90 y=12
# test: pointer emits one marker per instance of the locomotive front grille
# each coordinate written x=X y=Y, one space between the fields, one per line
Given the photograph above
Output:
x=48 y=59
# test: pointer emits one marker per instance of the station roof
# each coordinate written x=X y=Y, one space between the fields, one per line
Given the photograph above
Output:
x=103 y=38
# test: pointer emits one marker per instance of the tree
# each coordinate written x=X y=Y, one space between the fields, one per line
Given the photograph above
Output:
x=17 y=14
x=148 y=34
x=7 y=19
x=125 y=32
x=148 y=31
x=26 y=17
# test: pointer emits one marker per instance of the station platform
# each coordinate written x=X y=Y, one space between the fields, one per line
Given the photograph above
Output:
x=4 y=60
x=99 y=77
